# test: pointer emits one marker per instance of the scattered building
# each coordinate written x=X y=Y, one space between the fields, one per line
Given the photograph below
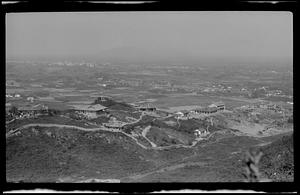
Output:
x=31 y=111
x=90 y=111
x=17 y=95
x=8 y=96
x=199 y=133
x=199 y=112
x=213 y=108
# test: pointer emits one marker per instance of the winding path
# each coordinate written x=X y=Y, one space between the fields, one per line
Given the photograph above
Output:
x=10 y=133
x=102 y=128
x=144 y=133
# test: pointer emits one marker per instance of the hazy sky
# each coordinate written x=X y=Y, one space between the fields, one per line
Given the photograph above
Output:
x=201 y=34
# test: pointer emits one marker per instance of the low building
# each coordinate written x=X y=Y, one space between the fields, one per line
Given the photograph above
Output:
x=179 y=114
x=33 y=109
x=89 y=111
x=17 y=95
x=219 y=105
x=201 y=133
x=103 y=98
x=183 y=115
x=8 y=96
x=31 y=99
x=206 y=110
x=147 y=108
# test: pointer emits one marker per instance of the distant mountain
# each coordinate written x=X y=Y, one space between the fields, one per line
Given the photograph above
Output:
x=144 y=55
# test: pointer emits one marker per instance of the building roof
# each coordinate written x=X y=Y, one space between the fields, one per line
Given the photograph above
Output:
x=219 y=103
x=96 y=107
x=146 y=105
x=178 y=112
x=212 y=106
x=32 y=108
x=208 y=109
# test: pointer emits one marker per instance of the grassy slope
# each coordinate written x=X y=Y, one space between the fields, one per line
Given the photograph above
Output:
x=217 y=163
x=38 y=157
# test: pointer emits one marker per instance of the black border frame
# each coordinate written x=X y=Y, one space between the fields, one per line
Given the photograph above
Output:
x=74 y=6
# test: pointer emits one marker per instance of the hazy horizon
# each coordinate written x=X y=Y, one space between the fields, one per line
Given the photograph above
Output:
x=144 y=36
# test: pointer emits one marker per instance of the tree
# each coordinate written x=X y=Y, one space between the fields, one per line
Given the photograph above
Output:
x=251 y=162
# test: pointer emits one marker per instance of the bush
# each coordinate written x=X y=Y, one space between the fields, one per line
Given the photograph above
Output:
x=53 y=112
x=14 y=110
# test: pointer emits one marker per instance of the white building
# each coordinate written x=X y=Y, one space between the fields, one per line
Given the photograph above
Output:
x=201 y=133
x=218 y=105
x=31 y=99
x=179 y=114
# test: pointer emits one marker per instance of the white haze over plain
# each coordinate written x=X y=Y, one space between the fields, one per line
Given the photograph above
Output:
x=203 y=34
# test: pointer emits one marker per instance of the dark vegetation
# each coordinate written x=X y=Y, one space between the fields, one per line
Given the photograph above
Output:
x=188 y=126
x=114 y=105
x=14 y=110
x=277 y=162
x=160 y=137
x=100 y=120
x=121 y=115
x=145 y=121
x=45 y=154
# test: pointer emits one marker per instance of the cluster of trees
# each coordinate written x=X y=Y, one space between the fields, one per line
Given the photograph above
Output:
x=51 y=112
x=14 y=110
x=277 y=163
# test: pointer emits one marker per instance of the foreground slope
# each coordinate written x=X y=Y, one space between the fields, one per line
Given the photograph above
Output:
x=277 y=163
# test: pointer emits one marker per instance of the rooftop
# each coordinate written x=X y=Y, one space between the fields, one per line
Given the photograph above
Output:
x=208 y=109
x=32 y=108
x=95 y=107
x=219 y=103
x=146 y=105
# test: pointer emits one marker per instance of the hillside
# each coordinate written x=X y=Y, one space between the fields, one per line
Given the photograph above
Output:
x=48 y=154
x=277 y=163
